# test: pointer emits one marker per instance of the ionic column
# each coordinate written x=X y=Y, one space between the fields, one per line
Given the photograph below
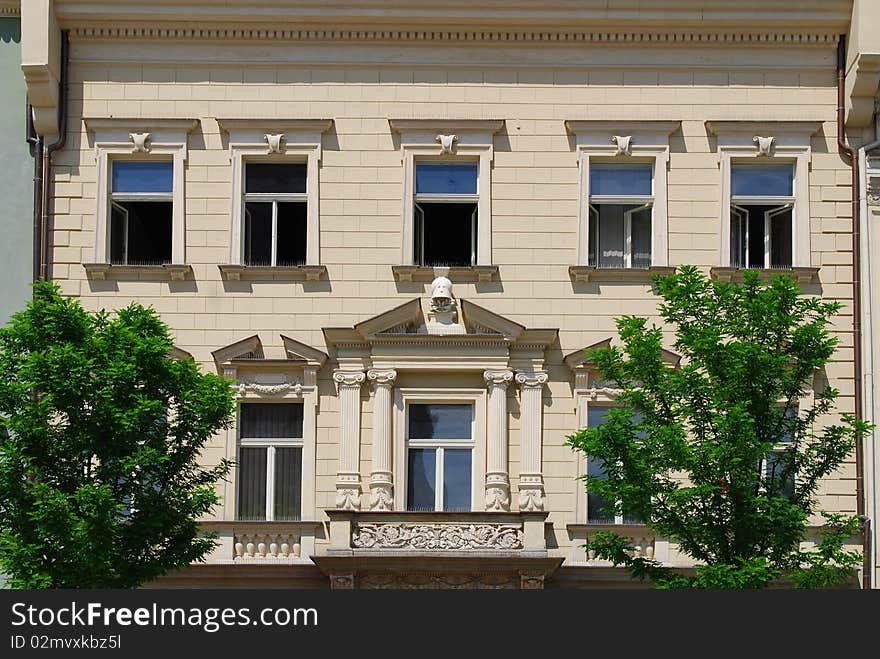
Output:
x=381 y=478
x=531 y=480
x=348 y=485
x=497 y=482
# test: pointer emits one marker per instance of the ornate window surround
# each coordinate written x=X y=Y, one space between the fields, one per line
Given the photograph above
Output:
x=450 y=140
x=622 y=141
x=772 y=142
x=403 y=397
x=292 y=379
x=269 y=140
x=139 y=139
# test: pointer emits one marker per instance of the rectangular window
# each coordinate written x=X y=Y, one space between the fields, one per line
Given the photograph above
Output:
x=439 y=457
x=599 y=509
x=761 y=212
x=141 y=212
x=775 y=468
x=621 y=214
x=445 y=213
x=275 y=214
x=270 y=461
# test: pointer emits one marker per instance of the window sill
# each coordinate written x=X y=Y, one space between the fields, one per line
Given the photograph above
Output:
x=170 y=271
x=584 y=273
x=457 y=274
x=594 y=527
x=803 y=275
x=235 y=272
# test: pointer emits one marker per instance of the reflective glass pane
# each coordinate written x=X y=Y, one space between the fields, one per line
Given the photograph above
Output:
x=456 y=480
x=421 y=479
x=136 y=176
x=288 y=479
x=271 y=420
x=782 y=484
x=440 y=421
x=275 y=177
x=251 y=483
x=621 y=179
x=599 y=510
x=446 y=178
x=780 y=239
x=762 y=180
x=641 y=239
x=611 y=235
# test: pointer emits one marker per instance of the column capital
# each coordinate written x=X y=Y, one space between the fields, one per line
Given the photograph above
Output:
x=382 y=376
x=533 y=379
x=349 y=378
x=498 y=378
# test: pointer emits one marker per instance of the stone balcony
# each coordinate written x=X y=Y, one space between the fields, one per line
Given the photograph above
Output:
x=454 y=550
x=262 y=542
x=643 y=540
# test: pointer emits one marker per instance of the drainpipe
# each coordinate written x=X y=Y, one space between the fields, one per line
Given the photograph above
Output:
x=849 y=154
x=51 y=149
x=36 y=142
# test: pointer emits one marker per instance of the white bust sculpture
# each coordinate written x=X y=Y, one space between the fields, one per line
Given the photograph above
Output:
x=441 y=295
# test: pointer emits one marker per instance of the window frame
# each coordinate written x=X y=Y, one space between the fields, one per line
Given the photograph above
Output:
x=116 y=197
x=595 y=141
x=738 y=143
x=297 y=141
x=271 y=444
x=403 y=398
x=418 y=142
x=146 y=140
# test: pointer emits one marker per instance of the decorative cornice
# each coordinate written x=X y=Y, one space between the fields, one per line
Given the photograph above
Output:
x=753 y=128
x=12 y=8
x=185 y=32
x=270 y=389
x=438 y=537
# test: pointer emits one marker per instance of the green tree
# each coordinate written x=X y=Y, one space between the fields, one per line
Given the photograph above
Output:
x=99 y=481
x=715 y=454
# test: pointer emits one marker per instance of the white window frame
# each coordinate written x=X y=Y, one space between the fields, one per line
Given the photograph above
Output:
x=430 y=198
x=418 y=141
x=297 y=141
x=117 y=197
x=646 y=201
x=403 y=398
x=139 y=139
x=648 y=142
x=271 y=444
x=738 y=143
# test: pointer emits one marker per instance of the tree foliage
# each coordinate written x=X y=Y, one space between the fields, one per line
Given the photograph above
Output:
x=716 y=455
x=99 y=481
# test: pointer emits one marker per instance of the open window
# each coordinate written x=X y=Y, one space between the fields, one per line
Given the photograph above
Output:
x=621 y=212
x=761 y=215
x=141 y=212
x=445 y=214
x=275 y=214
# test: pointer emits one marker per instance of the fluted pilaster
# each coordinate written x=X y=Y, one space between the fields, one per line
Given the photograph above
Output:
x=381 y=478
x=531 y=480
x=348 y=486
x=497 y=481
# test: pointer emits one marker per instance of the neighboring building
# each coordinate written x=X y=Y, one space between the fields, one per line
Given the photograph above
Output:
x=397 y=227
x=16 y=184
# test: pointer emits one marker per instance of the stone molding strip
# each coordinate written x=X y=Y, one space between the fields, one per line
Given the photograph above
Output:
x=263 y=34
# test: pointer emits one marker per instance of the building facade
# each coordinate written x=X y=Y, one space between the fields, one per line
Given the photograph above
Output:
x=395 y=229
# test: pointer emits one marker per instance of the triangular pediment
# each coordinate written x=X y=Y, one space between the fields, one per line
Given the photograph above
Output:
x=402 y=319
x=298 y=351
x=579 y=358
x=249 y=348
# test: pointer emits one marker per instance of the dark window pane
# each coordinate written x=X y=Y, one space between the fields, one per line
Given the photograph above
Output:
x=440 y=421
x=421 y=479
x=275 y=178
x=611 y=235
x=288 y=483
x=599 y=510
x=641 y=239
x=621 y=179
x=456 y=480
x=271 y=420
x=446 y=178
x=131 y=176
x=252 y=483
x=756 y=236
x=762 y=180
x=447 y=234
x=291 y=234
x=780 y=240
x=258 y=233
x=779 y=482
x=148 y=235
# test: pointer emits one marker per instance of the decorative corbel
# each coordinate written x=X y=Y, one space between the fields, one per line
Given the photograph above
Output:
x=447 y=143
x=624 y=144
x=141 y=142
x=764 y=144
x=275 y=142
